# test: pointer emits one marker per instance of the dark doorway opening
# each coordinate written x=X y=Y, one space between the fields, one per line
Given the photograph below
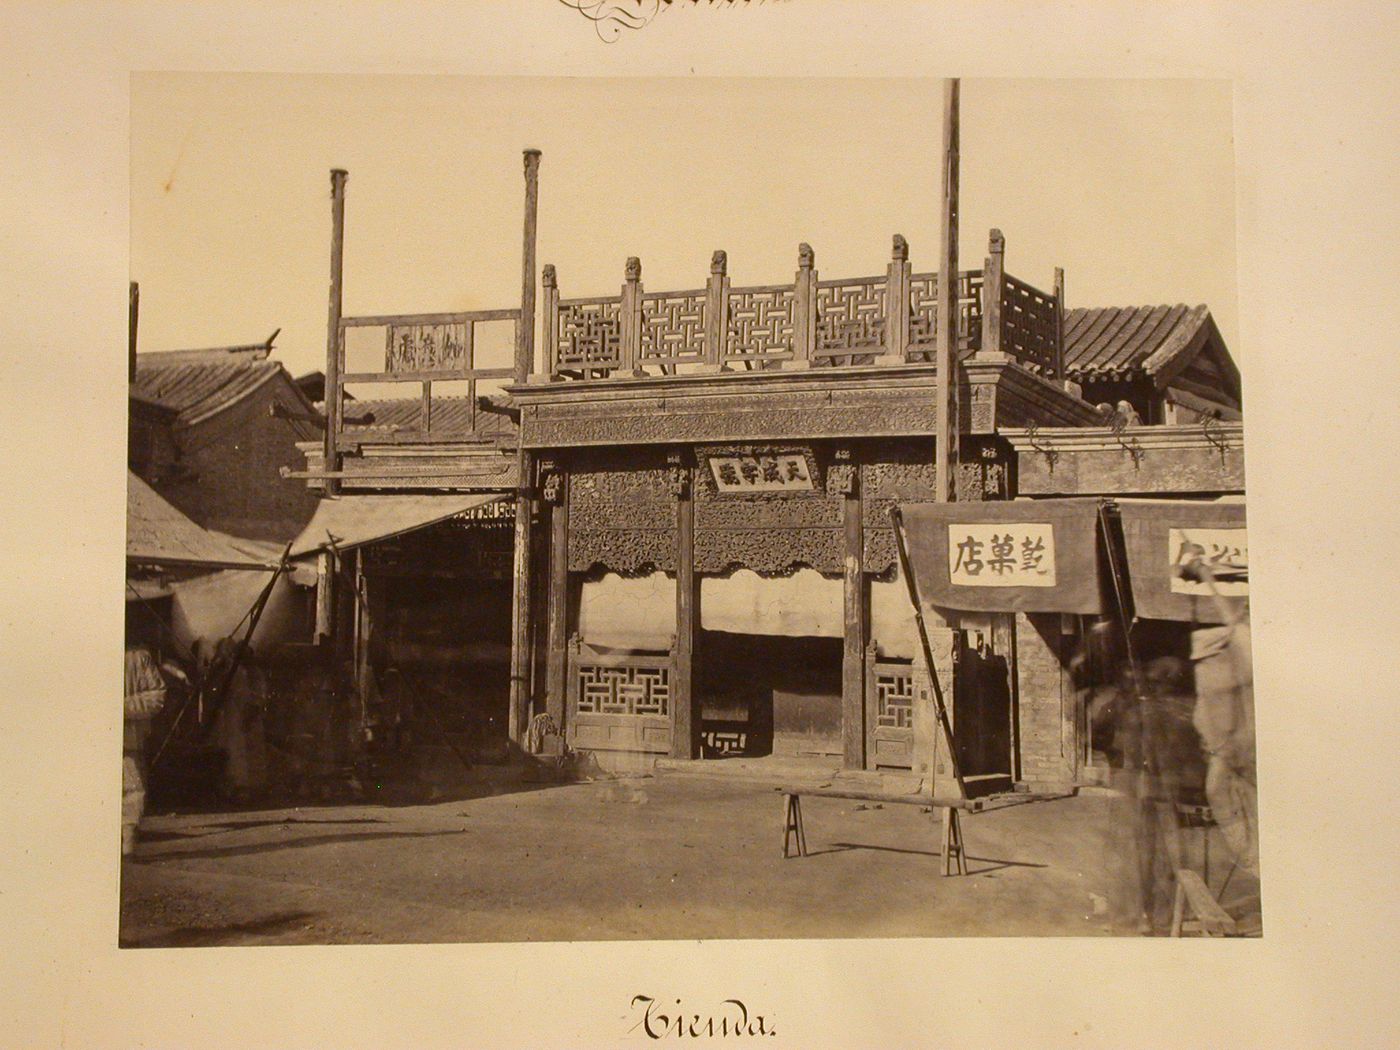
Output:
x=768 y=695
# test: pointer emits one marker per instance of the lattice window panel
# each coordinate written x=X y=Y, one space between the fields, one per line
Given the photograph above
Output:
x=850 y=318
x=624 y=691
x=673 y=328
x=923 y=311
x=894 y=699
x=760 y=323
x=1030 y=328
x=726 y=741
x=589 y=335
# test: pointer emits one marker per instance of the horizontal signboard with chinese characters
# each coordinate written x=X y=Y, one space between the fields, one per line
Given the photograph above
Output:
x=426 y=348
x=1164 y=540
x=1001 y=555
x=1223 y=552
x=763 y=472
x=1006 y=555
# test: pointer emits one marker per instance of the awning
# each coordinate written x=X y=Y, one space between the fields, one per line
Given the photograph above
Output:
x=353 y=521
x=1160 y=535
x=1006 y=556
x=159 y=534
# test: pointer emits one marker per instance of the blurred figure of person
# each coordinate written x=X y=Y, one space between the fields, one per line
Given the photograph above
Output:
x=144 y=696
x=1224 y=717
x=1158 y=760
x=239 y=727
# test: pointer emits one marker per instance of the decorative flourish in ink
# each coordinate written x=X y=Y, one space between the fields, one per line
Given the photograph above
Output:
x=611 y=17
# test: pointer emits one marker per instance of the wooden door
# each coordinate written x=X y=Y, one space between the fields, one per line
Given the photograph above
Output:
x=982 y=712
x=889 y=718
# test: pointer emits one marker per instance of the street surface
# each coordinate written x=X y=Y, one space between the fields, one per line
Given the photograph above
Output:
x=666 y=857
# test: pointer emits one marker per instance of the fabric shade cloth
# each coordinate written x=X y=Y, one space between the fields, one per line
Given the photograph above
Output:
x=1006 y=556
x=1158 y=534
x=353 y=521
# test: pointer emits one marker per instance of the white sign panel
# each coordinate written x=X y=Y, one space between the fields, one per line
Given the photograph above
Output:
x=783 y=472
x=992 y=555
x=1225 y=551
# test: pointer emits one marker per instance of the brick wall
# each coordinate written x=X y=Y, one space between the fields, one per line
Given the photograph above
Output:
x=232 y=460
x=1046 y=716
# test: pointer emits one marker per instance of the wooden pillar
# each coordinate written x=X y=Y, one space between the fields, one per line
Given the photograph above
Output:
x=525 y=328
x=334 y=340
x=946 y=414
x=522 y=605
x=325 y=600
x=853 y=652
x=685 y=719
x=556 y=494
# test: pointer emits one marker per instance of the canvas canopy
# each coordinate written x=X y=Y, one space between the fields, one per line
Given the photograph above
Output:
x=159 y=534
x=353 y=521
x=1161 y=535
x=1006 y=556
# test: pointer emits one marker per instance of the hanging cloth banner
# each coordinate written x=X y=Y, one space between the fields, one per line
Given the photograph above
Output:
x=1006 y=556
x=1163 y=535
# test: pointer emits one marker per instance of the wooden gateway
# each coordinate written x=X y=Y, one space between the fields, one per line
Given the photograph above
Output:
x=703 y=557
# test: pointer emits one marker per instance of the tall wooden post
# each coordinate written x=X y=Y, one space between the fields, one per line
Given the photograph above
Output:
x=945 y=416
x=685 y=723
x=133 y=317
x=853 y=650
x=550 y=282
x=522 y=607
x=525 y=330
x=556 y=494
x=1060 y=376
x=334 y=347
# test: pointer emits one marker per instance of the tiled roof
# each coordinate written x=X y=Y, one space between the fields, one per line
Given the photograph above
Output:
x=199 y=383
x=1118 y=340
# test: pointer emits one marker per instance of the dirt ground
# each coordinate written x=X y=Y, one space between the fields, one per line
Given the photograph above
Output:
x=665 y=857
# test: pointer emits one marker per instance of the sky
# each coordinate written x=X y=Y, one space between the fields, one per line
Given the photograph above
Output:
x=1127 y=184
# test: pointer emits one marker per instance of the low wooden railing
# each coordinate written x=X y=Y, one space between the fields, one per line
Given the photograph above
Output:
x=809 y=323
x=422 y=349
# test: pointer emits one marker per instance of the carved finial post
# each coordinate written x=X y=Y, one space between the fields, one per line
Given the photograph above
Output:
x=804 y=314
x=897 y=304
x=993 y=293
x=717 y=313
x=631 y=318
x=549 y=281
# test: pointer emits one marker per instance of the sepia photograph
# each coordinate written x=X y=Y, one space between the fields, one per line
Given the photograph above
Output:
x=684 y=509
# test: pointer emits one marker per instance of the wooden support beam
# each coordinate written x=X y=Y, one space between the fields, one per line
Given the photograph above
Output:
x=685 y=725
x=335 y=343
x=557 y=613
x=522 y=626
x=853 y=651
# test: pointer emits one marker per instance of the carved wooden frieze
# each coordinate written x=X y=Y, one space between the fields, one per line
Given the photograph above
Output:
x=769 y=551
x=623 y=520
x=899 y=475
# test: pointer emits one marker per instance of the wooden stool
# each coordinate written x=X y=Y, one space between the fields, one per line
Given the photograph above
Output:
x=953 y=843
x=792 y=826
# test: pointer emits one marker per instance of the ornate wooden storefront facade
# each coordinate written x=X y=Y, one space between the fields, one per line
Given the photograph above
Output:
x=686 y=436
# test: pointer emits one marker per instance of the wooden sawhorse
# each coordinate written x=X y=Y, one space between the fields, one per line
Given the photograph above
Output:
x=951 y=845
